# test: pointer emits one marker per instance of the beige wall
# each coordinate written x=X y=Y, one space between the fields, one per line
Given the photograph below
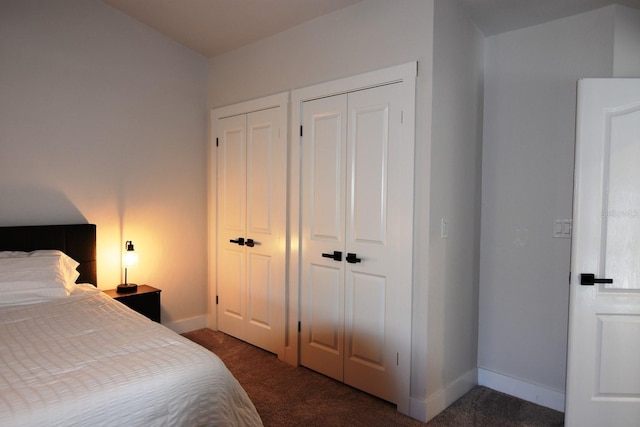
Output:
x=104 y=121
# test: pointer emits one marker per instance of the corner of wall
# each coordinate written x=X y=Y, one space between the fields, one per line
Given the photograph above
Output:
x=427 y=409
x=530 y=392
x=626 y=42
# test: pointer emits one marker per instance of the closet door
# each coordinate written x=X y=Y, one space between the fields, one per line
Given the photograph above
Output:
x=251 y=228
x=323 y=228
x=231 y=217
x=358 y=200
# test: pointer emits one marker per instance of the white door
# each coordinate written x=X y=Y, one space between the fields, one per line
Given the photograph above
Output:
x=323 y=229
x=357 y=219
x=603 y=376
x=251 y=228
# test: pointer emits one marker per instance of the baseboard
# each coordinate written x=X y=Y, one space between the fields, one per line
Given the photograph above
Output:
x=186 y=325
x=426 y=409
x=524 y=390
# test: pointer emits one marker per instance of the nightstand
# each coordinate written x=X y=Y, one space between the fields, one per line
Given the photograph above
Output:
x=146 y=301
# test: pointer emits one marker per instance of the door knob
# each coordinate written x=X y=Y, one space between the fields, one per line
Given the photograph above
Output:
x=352 y=258
x=239 y=241
x=587 y=279
x=336 y=256
x=250 y=243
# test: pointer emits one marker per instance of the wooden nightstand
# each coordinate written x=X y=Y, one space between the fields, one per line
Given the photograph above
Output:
x=146 y=301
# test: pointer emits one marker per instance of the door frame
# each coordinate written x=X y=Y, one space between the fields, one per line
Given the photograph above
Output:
x=406 y=75
x=246 y=107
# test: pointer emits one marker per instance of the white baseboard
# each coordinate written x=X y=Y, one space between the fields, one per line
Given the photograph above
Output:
x=187 y=325
x=527 y=391
x=426 y=409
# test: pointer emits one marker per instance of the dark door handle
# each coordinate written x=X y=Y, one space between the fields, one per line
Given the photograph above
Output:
x=251 y=243
x=352 y=258
x=587 y=279
x=239 y=241
x=336 y=256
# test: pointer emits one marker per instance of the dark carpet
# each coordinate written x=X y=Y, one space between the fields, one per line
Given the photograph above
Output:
x=296 y=396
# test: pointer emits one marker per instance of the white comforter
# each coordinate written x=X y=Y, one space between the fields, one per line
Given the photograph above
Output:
x=87 y=360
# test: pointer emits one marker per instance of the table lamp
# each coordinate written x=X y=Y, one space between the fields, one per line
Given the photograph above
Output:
x=129 y=259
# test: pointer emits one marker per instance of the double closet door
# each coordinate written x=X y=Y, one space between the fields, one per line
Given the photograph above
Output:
x=356 y=239
x=251 y=226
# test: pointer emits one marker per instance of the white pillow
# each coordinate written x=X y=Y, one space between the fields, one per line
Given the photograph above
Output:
x=25 y=280
x=69 y=265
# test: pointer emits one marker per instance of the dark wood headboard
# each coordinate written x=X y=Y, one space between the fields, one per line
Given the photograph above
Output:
x=76 y=240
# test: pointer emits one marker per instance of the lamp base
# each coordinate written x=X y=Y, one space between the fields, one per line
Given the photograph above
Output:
x=127 y=288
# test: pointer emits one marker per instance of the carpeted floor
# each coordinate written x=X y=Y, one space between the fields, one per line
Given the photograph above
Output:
x=295 y=396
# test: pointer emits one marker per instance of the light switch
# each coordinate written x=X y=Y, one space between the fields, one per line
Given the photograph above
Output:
x=562 y=228
x=557 y=228
x=444 y=229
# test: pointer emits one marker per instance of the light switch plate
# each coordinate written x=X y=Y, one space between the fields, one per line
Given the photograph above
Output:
x=444 y=229
x=562 y=228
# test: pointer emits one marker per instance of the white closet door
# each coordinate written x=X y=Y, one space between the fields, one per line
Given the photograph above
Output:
x=231 y=217
x=266 y=226
x=357 y=197
x=252 y=228
x=379 y=232
x=323 y=228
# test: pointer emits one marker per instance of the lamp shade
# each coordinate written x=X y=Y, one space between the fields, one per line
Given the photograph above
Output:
x=130 y=256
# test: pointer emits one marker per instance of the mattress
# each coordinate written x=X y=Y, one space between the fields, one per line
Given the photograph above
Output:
x=88 y=360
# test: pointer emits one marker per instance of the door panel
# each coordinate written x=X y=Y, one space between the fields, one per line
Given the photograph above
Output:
x=233 y=275
x=327 y=170
x=622 y=239
x=366 y=299
x=603 y=375
x=619 y=341
x=258 y=288
x=368 y=149
x=260 y=179
x=323 y=351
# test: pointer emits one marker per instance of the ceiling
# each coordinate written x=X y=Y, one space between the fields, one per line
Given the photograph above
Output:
x=212 y=27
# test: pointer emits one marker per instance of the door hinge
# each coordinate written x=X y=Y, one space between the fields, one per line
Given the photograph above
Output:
x=216 y=142
x=299 y=326
x=397 y=359
x=300 y=130
x=216 y=299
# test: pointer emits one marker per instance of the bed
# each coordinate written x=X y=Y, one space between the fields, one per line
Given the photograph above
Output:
x=71 y=355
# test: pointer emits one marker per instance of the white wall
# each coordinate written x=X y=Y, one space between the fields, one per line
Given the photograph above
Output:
x=102 y=120
x=458 y=63
x=626 y=50
x=527 y=182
